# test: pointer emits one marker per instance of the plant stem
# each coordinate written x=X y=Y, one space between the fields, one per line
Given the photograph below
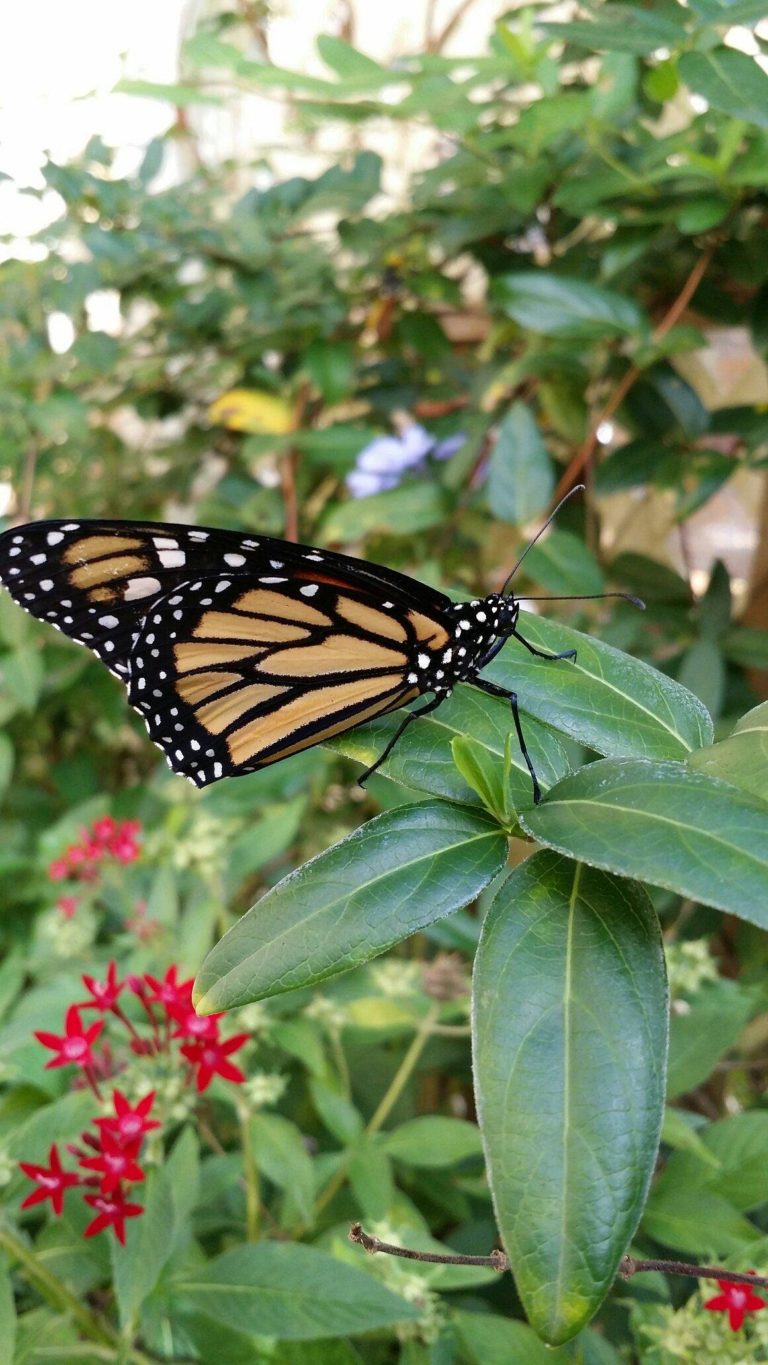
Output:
x=251 y=1177
x=389 y=1100
x=54 y=1291
x=630 y=377
x=404 y=1071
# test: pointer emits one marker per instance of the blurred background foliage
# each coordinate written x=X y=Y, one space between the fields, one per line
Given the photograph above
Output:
x=571 y=284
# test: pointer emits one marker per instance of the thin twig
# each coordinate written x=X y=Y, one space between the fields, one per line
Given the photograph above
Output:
x=496 y=1261
x=588 y=447
x=629 y=1266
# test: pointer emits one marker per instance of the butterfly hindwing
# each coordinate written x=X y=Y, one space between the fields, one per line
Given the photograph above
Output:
x=241 y=677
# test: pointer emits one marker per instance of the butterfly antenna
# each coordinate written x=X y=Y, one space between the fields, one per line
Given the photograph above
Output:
x=588 y=597
x=577 y=488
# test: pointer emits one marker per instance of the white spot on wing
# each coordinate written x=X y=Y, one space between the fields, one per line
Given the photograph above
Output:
x=54 y=537
x=172 y=559
x=235 y=561
x=109 y=622
x=309 y=589
x=140 y=587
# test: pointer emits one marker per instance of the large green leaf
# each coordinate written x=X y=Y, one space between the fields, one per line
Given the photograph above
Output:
x=562 y=306
x=730 y=81
x=665 y=824
x=736 y=1170
x=423 y=758
x=520 y=474
x=389 y=878
x=616 y=704
x=742 y=759
x=569 y=1035
x=292 y=1292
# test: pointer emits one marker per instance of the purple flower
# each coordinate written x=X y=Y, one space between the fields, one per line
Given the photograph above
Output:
x=381 y=464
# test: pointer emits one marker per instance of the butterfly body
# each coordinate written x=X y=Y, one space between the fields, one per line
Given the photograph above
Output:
x=238 y=650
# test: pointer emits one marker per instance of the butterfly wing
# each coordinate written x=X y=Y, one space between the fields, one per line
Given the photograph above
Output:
x=236 y=650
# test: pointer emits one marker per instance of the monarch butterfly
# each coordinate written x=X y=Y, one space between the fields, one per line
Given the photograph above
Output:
x=238 y=650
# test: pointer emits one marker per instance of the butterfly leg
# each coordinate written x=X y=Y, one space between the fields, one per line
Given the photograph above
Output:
x=411 y=715
x=542 y=654
x=511 y=697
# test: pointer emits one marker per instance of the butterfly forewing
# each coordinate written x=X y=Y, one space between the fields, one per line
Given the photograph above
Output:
x=237 y=650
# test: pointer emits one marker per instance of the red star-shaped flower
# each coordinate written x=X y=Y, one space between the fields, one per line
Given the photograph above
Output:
x=193 y=1025
x=129 y=1124
x=209 y=1058
x=736 y=1300
x=104 y=993
x=169 y=992
x=115 y=1163
x=52 y=1181
x=75 y=1047
x=112 y=1212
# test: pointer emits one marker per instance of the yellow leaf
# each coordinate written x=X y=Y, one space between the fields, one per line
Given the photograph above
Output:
x=253 y=410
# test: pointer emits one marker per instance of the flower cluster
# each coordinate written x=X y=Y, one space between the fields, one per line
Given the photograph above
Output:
x=381 y=464
x=106 y=840
x=108 y=1161
x=154 y=1020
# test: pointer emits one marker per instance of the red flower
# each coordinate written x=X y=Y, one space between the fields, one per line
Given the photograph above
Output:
x=209 y=1057
x=193 y=1025
x=52 y=1181
x=58 y=870
x=112 y=1212
x=122 y=843
x=67 y=905
x=104 y=993
x=115 y=1163
x=103 y=830
x=736 y=1300
x=74 y=1048
x=129 y=1124
x=169 y=992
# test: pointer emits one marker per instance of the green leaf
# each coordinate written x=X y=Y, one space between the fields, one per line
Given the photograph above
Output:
x=569 y=1029
x=734 y=1165
x=350 y=64
x=7 y=1312
x=621 y=28
x=370 y=1177
x=331 y=367
x=424 y=757
x=664 y=824
x=484 y=776
x=6 y=764
x=697 y=1223
x=748 y=647
x=742 y=759
x=434 y=1141
x=520 y=475
x=492 y=1340
x=730 y=81
x=562 y=306
x=22 y=675
x=389 y=878
x=167 y=1196
x=280 y=1153
x=181 y=95
x=617 y=705
x=293 y=1293
x=677 y=1131
x=709 y=1028
x=702 y=671
x=400 y=511
x=562 y=564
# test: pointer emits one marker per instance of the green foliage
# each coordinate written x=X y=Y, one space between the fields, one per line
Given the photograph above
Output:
x=576 y=195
